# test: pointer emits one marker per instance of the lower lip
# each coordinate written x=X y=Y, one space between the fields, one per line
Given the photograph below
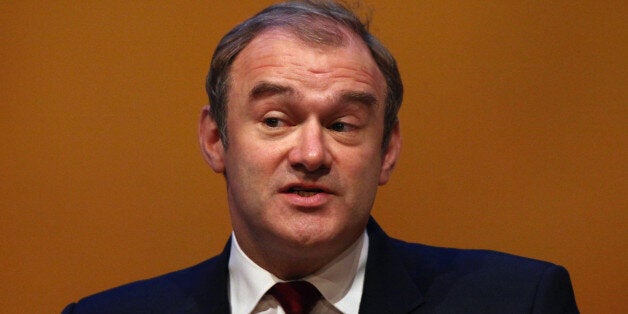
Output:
x=315 y=200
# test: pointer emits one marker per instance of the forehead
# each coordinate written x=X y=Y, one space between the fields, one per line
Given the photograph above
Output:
x=279 y=52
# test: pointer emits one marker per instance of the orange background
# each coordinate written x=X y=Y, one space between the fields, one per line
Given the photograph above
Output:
x=514 y=124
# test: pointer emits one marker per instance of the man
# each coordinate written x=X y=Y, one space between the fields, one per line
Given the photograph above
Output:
x=302 y=123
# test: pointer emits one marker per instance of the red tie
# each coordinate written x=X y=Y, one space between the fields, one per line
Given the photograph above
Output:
x=295 y=297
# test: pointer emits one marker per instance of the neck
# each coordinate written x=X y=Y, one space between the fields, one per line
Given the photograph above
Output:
x=291 y=262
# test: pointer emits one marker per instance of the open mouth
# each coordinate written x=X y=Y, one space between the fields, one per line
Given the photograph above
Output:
x=304 y=192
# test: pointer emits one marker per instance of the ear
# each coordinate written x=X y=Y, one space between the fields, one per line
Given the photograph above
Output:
x=390 y=155
x=210 y=142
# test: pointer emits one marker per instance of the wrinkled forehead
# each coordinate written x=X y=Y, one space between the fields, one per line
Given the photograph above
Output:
x=279 y=52
x=334 y=39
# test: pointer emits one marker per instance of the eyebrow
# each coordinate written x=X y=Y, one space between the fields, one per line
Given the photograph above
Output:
x=265 y=89
x=364 y=98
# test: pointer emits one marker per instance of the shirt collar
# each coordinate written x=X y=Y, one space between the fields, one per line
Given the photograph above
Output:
x=340 y=282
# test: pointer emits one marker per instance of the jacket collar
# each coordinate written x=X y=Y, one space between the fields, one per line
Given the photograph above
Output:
x=212 y=295
x=388 y=288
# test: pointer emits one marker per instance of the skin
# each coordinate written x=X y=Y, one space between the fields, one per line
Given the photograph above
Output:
x=305 y=128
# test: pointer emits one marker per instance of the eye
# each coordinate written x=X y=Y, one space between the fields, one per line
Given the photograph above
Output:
x=340 y=127
x=272 y=122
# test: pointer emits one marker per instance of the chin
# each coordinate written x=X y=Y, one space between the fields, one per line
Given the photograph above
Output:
x=316 y=234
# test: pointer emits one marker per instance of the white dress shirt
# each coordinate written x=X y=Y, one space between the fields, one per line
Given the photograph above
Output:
x=340 y=282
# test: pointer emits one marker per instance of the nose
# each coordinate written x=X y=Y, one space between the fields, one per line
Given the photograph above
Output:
x=310 y=151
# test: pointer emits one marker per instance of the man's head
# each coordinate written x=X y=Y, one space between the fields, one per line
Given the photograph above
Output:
x=305 y=112
x=312 y=21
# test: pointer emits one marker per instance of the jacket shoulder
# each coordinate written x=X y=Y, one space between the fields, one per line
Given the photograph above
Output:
x=484 y=276
x=168 y=293
x=440 y=260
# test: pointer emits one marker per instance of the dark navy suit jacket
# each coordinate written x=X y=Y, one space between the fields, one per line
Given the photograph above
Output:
x=400 y=278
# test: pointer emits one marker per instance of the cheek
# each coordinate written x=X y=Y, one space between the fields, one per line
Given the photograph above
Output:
x=363 y=168
x=246 y=180
x=252 y=161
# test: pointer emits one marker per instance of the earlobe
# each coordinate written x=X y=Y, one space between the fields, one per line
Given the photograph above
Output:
x=390 y=155
x=210 y=142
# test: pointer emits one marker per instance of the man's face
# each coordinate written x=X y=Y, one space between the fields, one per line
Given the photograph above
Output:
x=305 y=128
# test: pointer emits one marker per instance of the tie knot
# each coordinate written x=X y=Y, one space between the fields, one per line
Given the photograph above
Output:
x=295 y=297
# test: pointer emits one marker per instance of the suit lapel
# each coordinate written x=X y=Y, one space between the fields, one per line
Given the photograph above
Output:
x=212 y=296
x=387 y=286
